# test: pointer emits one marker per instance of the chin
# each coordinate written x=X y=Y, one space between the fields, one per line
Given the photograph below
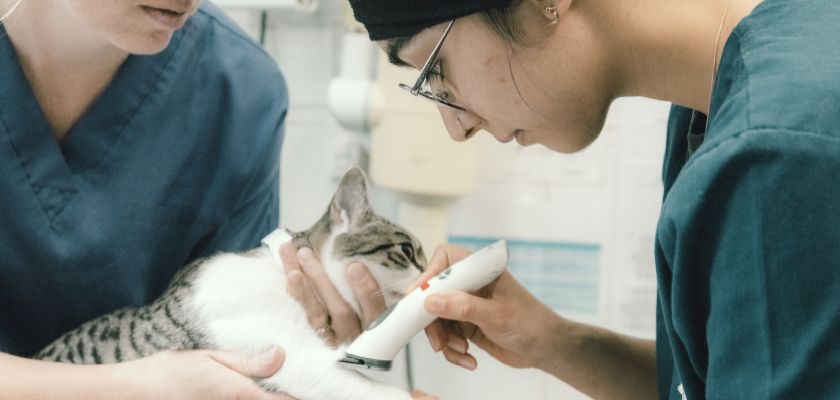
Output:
x=563 y=142
x=145 y=43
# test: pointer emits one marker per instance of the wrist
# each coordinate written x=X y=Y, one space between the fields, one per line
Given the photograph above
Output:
x=123 y=379
x=564 y=340
x=28 y=378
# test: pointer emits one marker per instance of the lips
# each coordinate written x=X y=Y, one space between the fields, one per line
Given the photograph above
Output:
x=519 y=136
x=509 y=138
x=170 y=18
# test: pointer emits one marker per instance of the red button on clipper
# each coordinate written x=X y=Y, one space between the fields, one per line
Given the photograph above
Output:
x=424 y=286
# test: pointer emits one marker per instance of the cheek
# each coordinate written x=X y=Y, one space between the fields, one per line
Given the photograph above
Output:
x=94 y=14
x=490 y=93
x=122 y=23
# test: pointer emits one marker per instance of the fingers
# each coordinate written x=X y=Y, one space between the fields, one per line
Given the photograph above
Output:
x=367 y=291
x=436 y=332
x=262 y=365
x=288 y=253
x=455 y=348
x=446 y=255
x=443 y=256
x=301 y=290
x=344 y=321
x=456 y=340
x=461 y=306
x=447 y=337
x=421 y=395
x=464 y=360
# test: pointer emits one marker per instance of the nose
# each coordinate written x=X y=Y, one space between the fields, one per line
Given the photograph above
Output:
x=461 y=125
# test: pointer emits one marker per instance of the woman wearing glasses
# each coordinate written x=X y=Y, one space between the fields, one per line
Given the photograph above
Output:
x=746 y=248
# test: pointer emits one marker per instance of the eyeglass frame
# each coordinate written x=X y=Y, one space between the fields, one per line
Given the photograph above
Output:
x=417 y=89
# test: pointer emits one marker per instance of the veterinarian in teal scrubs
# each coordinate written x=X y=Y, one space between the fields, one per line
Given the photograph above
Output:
x=748 y=243
x=135 y=136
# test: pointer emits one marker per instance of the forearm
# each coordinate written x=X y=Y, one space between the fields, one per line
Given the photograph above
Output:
x=22 y=378
x=602 y=363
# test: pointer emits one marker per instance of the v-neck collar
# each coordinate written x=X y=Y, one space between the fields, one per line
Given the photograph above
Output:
x=56 y=171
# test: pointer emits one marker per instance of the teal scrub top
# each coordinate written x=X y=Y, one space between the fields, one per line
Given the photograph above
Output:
x=748 y=242
x=175 y=160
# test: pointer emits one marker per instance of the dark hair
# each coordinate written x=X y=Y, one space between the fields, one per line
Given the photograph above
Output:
x=501 y=20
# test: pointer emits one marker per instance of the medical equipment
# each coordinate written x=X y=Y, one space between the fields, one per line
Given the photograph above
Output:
x=377 y=346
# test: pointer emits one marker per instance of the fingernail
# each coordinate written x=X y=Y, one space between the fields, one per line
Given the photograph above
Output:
x=305 y=254
x=285 y=248
x=357 y=272
x=295 y=278
x=435 y=304
x=267 y=355
x=457 y=345
x=435 y=342
x=467 y=362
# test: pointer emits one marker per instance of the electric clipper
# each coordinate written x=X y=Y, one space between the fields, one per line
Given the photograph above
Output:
x=377 y=346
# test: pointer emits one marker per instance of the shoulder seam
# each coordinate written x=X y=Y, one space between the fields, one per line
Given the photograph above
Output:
x=748 y=72
x=704 y=153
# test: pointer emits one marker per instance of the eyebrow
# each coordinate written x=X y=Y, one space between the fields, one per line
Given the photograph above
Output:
x=395 y=46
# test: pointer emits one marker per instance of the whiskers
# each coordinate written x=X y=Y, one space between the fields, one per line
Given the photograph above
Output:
x=391 y=293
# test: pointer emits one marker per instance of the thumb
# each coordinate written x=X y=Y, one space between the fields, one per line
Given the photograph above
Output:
x=367 y=291
x=461 y=306
x=260 y=365
x=421 y=395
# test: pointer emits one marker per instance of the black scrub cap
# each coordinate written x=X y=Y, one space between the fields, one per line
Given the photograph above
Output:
x=388 y=19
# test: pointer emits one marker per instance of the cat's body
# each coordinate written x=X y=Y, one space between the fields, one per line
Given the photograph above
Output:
x=239 y=302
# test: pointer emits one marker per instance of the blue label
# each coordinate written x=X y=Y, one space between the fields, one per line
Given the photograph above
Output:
x=563 y=275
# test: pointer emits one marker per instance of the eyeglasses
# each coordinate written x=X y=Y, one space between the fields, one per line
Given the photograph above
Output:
x=422 y=86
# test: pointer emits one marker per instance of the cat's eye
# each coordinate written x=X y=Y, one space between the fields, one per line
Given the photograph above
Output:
x=408 y=251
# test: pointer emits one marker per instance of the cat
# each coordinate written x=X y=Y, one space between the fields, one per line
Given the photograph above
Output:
x=239 y=302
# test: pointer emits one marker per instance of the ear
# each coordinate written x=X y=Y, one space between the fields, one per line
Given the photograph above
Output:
x=551 y=10
x=350 y=202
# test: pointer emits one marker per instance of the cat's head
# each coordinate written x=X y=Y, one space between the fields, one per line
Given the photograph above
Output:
x=350 y=232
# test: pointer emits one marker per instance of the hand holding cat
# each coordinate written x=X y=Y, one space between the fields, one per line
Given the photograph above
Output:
x=328 y=313
x=503 y=319
x=202 y=375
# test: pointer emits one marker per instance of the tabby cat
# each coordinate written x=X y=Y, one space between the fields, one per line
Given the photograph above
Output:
x=239 y=302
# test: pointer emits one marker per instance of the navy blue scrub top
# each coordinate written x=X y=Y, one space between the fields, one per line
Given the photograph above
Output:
x=177 y=159
x=748 y=244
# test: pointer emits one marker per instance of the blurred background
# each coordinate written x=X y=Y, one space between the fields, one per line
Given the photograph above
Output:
x=581 y=226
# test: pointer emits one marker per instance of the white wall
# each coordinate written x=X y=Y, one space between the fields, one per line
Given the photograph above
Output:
x=582 y=221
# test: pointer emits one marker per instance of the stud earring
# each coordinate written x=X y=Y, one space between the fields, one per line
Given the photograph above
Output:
x=554 y=13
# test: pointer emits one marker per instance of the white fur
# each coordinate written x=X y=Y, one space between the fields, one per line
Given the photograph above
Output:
x=244 y=304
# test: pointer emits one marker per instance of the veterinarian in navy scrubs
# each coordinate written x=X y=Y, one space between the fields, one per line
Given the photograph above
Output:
x=748 y=243
x=135 y=136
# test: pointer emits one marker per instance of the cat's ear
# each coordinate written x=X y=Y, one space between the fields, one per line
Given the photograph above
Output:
x=350 y=203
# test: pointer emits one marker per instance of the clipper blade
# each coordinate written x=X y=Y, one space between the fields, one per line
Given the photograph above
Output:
x=356 y=362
